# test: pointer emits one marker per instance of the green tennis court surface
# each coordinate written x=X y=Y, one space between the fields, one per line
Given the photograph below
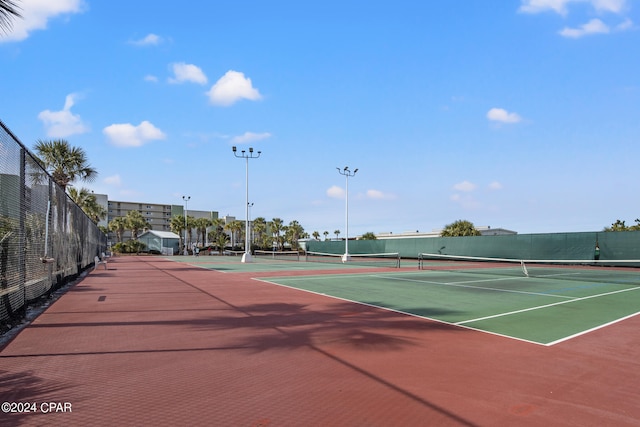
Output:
x=539 y=310
x=233 y=264
x=548 y=307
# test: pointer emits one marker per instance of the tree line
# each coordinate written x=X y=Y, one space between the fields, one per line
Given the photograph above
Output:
x=621 y=226
x=216 y=233
x=466 y=228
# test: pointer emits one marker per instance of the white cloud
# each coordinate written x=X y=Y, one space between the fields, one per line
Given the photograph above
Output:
x=625 y=25
x=150 y=78
x=128 y=135
x=113 y=180
x=149 y=40
x=249 y=137
x=36 y=15
x=466 y=202
x=379 y=195
x=468 y=198
x=614 y=6
x=465 y=186
x=503 y=116
x=61 y=124
x=595 y=26
x=187 y=73
x=336 y=192
x=561 y=6
x=232 y=87
x=537 y=6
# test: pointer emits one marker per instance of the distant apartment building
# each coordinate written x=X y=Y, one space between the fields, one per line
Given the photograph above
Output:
x=484 y=231
x=157 y=215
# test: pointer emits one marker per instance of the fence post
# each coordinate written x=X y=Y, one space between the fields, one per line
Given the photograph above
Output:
x=22 y=267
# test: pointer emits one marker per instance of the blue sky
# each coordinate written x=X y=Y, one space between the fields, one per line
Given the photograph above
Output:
x=516 y=114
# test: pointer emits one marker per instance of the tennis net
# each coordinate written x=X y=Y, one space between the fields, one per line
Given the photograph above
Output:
x=391 y=259
x=277 y=255
x=611 y=271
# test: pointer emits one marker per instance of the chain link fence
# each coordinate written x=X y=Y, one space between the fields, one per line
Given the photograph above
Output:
x=46 y=240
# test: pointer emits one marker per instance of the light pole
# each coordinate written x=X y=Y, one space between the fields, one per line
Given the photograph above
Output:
x=246 y=257
x=186 y=200
x=249 y=218
x=347 y=173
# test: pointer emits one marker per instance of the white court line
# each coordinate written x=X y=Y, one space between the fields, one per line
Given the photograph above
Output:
x=592 y=329
x=405 y=313
x=462 y=285
x=462 y=324
x=546 y=306
x=558 y=274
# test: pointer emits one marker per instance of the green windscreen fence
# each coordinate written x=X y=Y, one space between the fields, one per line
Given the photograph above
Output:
x=552 y=246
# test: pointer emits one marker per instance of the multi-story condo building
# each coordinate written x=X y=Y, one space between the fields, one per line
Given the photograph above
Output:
x=157 y=215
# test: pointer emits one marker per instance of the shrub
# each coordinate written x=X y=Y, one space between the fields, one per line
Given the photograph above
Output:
x=129 y=247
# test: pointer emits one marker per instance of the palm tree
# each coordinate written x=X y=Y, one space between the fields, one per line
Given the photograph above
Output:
x=218 y=225
x=218 y=235
x=87 y=202
x=337 y=233
x=276 y=227
x=64 y=162
x=235 y=227
x=460 y=228
x=135 y=222
x=316 y=235
x=622 y=226
x=326 y=235
x=221 y=241
x=118 y=225
x=190 y=226
x=368 y=236
x=295 y=231
x=80 y=197
x=259 y=230
x=285 y=237
x=177 y=226
x=201 y=225
x=8 y=11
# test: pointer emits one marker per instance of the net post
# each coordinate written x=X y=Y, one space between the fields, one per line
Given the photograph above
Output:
x=524 y=268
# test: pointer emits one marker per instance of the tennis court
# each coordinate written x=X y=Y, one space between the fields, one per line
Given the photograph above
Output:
x=288 y=261
x=164 y=341
x=546 y=304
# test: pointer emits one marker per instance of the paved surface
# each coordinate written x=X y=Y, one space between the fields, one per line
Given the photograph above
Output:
x=153 y=342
